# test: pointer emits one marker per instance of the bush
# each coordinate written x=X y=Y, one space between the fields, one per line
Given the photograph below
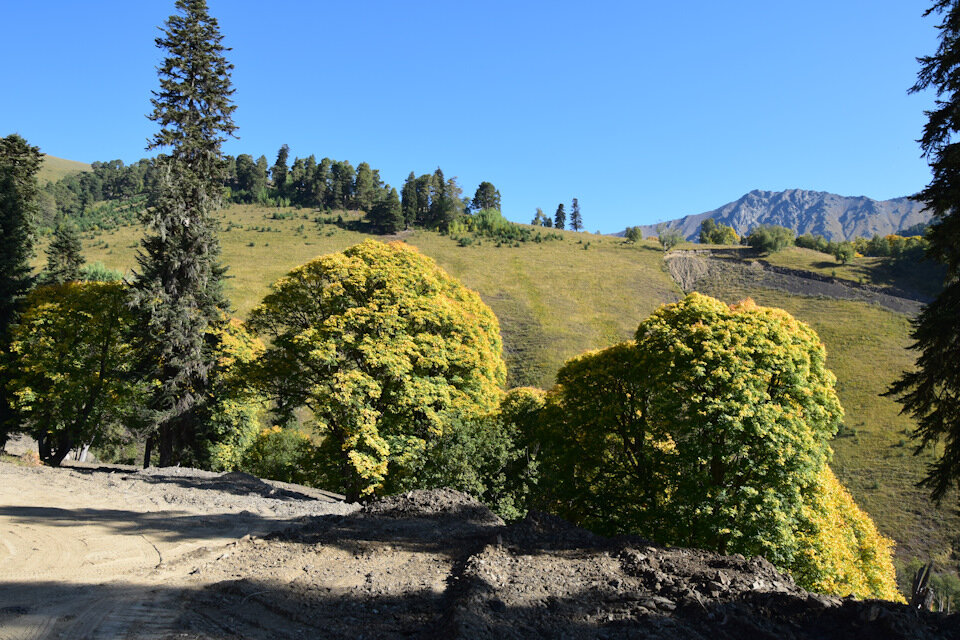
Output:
x=286 y=455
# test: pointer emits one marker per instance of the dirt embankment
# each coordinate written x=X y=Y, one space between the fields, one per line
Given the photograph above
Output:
x=702 y=271
x=92 y=554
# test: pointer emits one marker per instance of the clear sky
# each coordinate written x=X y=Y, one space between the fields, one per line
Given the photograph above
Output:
x=644 y=111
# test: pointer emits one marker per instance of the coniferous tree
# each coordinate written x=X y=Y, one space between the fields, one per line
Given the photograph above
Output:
x=576 y=222
x=386 y=215
x=539 y=220
x=408 y=200
x=364 y=188
x=486 y=197
x=64 y=256
x=931 y=393
x=19 y=164
x=560 y=218
x=179 y=288
x=279 y=171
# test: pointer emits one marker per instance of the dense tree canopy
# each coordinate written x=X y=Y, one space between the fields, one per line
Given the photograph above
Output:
x=385 y=349
x=710 y=430
x=74 y=381
x=770 y=238
x=931 y=393
x=713 y=233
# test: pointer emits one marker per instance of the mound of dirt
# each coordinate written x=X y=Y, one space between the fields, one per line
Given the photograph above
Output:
x=179 y=553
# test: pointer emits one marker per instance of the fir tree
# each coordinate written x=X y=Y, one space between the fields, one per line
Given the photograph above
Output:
x=279 y=171
x=576 y=222
x=386 y=216
x=408 y=200
x=179 y=287
x=560 y=218
x=64 y=256
x=19 y=164
x=931 y=393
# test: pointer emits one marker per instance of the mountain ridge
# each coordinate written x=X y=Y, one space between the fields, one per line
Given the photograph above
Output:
x=823 y=213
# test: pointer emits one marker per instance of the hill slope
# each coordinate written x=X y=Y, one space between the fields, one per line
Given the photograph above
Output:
x=817 y=212
x=559 y=298
x=54 y=169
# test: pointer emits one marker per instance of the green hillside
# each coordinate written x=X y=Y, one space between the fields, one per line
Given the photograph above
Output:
x=54 y=169
x=558 y=298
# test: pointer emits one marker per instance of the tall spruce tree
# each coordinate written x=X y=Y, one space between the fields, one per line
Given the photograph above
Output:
x=560 y=218
x=408 y=200
x=931 y=393
x=64 y=256
x=279 y=171
x=179 y=288
x=19 y=164
x=576 y=222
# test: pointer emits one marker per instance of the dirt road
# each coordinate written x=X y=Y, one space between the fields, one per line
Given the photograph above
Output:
x=106 y=554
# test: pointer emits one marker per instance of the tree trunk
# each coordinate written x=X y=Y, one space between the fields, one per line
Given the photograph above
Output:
x=147 y=452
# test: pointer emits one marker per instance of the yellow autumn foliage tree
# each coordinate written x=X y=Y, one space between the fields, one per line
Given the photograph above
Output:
x=385 y=349
x=711 y=430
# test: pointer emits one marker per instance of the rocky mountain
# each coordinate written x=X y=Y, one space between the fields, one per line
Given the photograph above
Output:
x=817 y=212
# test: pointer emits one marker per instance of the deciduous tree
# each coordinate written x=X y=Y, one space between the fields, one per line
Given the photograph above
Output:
x=74 y=378
x=386 y=350
x=710 y=430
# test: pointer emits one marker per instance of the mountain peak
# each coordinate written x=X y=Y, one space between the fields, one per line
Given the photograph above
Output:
x=833 y=216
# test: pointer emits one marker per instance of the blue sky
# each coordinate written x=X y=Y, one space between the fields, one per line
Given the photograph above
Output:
x=643 y=111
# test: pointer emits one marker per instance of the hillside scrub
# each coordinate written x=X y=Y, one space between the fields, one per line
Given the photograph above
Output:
x=770 y=238
x=386 y=350
x=710 y=430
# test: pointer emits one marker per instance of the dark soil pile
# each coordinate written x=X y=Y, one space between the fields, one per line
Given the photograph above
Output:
x=437 y=564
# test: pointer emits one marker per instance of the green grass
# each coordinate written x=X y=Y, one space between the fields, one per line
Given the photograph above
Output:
x=556 y=299
x=54 y=169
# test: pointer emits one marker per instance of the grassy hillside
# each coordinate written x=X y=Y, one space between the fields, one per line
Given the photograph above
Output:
x=554 y=299
x=54 y=169
x=558 y=298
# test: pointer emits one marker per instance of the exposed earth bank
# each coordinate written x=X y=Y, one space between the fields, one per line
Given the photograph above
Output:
x=176 y=553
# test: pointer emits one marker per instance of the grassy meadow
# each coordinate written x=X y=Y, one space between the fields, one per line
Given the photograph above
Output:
x=53 y=169
x=558 y=298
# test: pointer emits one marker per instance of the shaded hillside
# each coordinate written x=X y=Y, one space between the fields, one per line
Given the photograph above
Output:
x=54 y=169
x=817 y=212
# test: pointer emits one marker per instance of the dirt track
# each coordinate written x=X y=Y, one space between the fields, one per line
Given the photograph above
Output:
x=87 y=553
x=179 y=554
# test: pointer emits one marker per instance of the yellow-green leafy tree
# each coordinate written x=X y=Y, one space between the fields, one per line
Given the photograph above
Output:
x=386 y=350
x=72 y=379
x=232 y=412
x=710 y=430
